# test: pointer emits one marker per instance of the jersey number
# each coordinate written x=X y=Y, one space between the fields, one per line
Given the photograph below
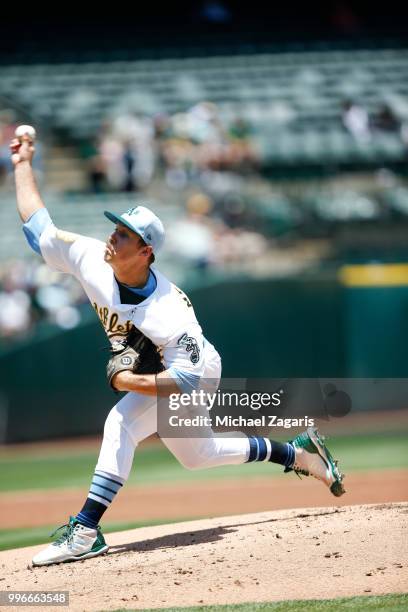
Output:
x=184 y=297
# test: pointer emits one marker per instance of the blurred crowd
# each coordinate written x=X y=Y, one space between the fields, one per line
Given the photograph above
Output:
x=216 y=233
x=186 y=148
x=30 y=293
x=364 y=126
x=131 y=147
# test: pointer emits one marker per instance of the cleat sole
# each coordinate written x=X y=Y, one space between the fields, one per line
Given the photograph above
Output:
x=337 y=488
x=89 y=555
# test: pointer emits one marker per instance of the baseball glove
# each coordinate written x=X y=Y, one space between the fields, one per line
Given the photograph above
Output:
x=135 y=353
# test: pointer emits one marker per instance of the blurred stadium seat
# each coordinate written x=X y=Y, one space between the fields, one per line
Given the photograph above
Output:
x=299 y=95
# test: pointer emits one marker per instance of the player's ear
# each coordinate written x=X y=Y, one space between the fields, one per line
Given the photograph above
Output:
x=147 y=250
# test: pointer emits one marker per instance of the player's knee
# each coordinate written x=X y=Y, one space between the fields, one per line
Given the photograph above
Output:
x=112 y=420
x=115 y=424
x=120 y=414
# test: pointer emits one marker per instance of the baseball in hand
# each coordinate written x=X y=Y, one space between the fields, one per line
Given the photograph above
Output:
x=23 y=130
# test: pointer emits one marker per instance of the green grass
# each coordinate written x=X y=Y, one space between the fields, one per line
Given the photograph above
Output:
x=29 y=536
x=388 y=603
x=371 y=452
x=154 y=464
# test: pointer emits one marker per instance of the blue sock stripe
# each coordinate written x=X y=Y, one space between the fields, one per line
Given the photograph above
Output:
x=100 y=495
x=105 y=502
x=253 y=449
x=85 y=520
x=96 y=485
x=104 y=482
x=257 y=449
x=263 y=449
x=106 y=476
x=102 y=492
x=291 y=455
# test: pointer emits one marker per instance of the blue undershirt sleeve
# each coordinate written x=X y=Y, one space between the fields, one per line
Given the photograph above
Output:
x=34 y=227
x=186 y=381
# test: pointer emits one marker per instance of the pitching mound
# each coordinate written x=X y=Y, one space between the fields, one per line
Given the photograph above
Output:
x=289 y=554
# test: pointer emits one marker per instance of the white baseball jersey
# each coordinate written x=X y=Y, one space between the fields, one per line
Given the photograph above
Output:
x=166 y=316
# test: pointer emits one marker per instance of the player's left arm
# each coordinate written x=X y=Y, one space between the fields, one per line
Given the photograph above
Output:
x=184 y=358
x=162 y=384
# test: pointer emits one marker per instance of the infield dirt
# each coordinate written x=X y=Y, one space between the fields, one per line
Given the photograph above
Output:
x=177 y=501
x=314 y=553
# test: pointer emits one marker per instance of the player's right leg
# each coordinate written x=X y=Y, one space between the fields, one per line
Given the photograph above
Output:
x=133 y=419
x=306 y=454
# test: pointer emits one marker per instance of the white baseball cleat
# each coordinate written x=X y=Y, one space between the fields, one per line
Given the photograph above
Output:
x=312 y=458
x=76 y=542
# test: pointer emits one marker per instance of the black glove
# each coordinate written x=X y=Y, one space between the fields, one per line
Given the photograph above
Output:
x=135 y=353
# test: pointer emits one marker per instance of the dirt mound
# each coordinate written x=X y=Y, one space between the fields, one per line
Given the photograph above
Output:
x=291 y=554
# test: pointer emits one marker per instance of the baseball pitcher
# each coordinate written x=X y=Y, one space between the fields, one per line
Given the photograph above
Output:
x=158 y=346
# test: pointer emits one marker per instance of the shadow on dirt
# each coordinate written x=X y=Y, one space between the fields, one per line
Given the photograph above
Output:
x=201 y=536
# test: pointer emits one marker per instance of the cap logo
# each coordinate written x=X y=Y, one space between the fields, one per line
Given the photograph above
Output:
x=149 y=236
x=131 y=211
